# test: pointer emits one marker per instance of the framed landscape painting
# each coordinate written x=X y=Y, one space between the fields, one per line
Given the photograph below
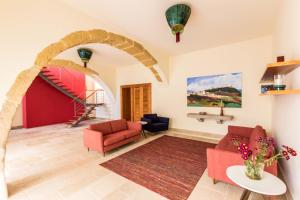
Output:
x=215 y=91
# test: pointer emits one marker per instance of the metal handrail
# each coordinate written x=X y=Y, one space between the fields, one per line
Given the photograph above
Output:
x=80 y=106
x=84 y=92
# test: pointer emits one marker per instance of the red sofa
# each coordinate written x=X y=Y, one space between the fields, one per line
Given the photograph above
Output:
x=109 y=135
x=225 y=154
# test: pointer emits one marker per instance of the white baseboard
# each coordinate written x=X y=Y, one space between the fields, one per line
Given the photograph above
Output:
x=208 y=136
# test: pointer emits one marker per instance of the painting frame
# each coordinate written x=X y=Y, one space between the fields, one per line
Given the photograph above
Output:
x=220 y=90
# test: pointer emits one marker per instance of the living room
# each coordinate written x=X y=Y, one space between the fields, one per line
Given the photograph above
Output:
x=237 y=42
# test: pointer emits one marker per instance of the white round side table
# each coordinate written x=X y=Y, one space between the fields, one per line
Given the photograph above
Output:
x=268 y=186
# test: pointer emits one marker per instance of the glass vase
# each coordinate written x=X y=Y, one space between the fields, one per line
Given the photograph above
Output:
x=254 y=171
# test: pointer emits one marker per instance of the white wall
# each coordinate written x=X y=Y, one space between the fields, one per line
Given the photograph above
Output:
x=249 y=57
x=107 y=111
x=286 y=108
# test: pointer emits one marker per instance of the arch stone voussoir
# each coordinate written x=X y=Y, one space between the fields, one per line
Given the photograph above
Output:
x=21 y=84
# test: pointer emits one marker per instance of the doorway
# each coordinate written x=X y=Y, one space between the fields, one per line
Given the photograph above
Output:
x=135 y=101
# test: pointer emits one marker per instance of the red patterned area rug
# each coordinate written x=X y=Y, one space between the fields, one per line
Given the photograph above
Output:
x=169 y=166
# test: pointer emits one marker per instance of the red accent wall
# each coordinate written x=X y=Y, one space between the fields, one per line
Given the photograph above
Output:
x=74 y=80
x=44 y=105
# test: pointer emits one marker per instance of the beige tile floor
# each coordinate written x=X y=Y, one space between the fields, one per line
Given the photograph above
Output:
x=50 y=163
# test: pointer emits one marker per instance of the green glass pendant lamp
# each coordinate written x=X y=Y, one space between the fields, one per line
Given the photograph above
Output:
x=177 y=17
x=85 y=55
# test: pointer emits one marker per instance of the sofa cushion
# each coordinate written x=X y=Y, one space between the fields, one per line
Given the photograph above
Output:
x=103 y=127
x=118 y=125
x=113 y=138
x=258 y=132
x=227 y=144
x=129 y=133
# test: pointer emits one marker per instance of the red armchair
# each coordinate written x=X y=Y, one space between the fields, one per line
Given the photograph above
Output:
x=225 y=154
x=109 y=135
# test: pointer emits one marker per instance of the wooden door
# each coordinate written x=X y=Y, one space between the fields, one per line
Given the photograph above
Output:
x=147 y=101
x=126 y=103
x=140 y=101
x=137 y=103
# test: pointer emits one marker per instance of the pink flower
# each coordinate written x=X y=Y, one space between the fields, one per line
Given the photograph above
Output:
x=284 y=153
x=245 y=157
x=294 y=153
x=287 y=157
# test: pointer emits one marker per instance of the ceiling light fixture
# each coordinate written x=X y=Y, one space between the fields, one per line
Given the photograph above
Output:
x=85 y=55
x=177 y=17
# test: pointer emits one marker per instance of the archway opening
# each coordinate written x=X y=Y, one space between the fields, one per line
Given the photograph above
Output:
x=54 y=131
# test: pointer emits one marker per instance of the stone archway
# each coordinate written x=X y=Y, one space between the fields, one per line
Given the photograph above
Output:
x=103 y=37
x=46 y=57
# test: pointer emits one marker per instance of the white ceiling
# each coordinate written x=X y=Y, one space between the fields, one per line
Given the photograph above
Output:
x=212 y=22
x=103 y=56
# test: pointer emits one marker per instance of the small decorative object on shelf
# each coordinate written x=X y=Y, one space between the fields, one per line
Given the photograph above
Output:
x=263 y=155
x=278 y=82
x=266 y=88
x=280 y=58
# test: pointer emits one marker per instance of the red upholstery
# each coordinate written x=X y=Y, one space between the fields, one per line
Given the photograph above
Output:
x=128 y=133
x=121 y=143
x=256 y=134
x=92 y=139
x=109 y=135
x=225 y=154
x=239 y=130
x=118 y=125
x=103 y=127
x=113 y=138
x=134 y=126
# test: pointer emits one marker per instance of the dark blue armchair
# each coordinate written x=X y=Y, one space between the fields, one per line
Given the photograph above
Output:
x=155 y=123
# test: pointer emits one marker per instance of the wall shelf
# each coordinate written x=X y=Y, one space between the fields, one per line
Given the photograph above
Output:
x=279 y=68
x=201 y=117
x=281 y=92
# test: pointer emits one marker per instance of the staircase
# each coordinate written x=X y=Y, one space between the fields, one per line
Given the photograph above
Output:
x=83 y=105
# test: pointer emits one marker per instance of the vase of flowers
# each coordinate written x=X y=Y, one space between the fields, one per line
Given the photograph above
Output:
x=264 y=154
x=254 y=170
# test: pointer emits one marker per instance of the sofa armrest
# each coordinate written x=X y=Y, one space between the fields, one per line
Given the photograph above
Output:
x=93 y=139
x=239 y=130
x=134 y=126
x=219 y=160
x=164 y=119
x=149 y=121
